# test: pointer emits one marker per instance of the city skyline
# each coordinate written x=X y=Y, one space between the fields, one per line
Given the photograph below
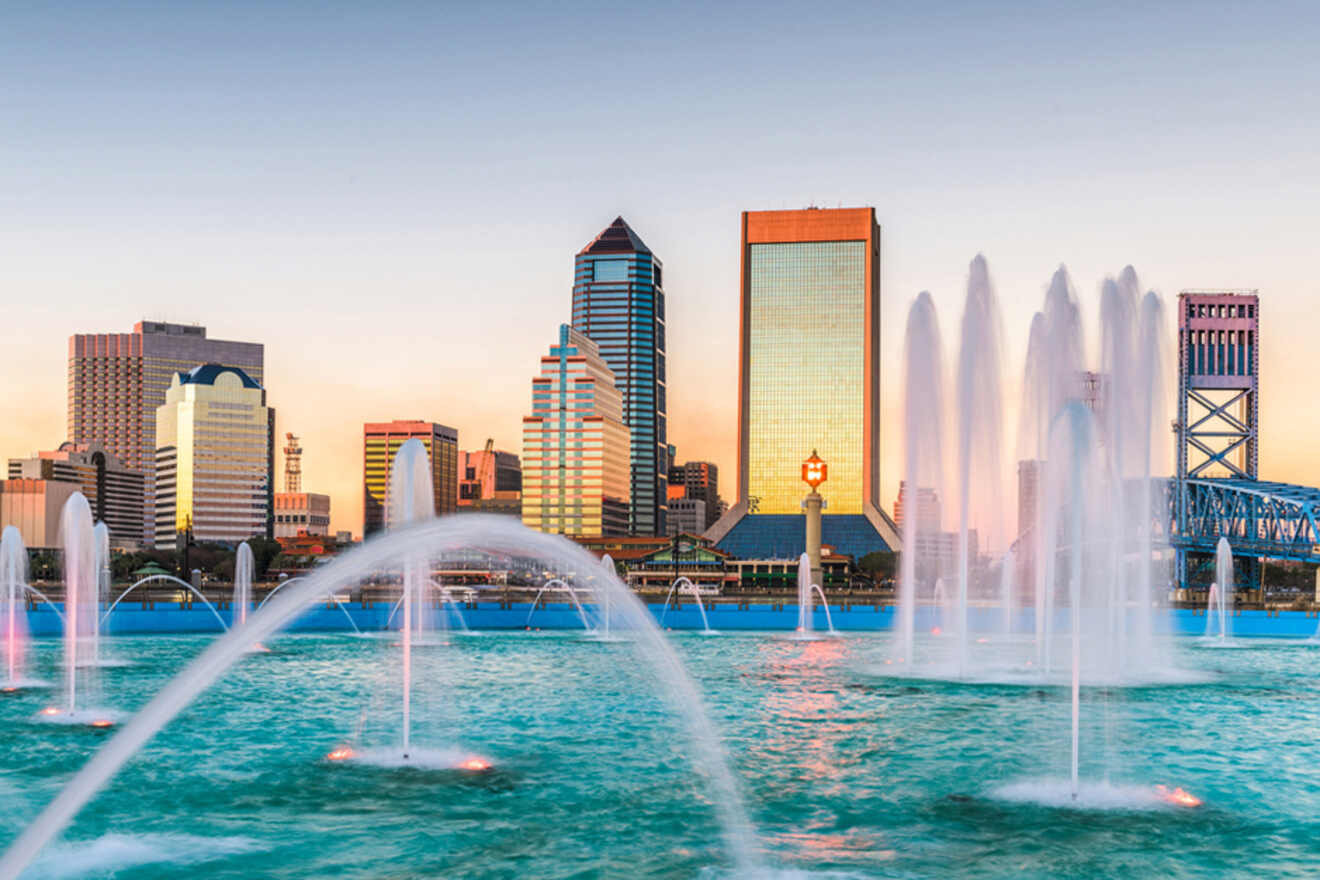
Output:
x=296 y=229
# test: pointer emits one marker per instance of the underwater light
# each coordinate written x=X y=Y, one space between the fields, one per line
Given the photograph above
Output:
x=343 y=753
x=50 y=710
x=1179 y=796
x=477 y=764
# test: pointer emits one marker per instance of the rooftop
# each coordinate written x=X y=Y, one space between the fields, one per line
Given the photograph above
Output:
x=784 y=536
x=618 y=238
x=206 y=374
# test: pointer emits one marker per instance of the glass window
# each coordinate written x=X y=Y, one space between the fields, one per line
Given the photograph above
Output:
x=611 y=269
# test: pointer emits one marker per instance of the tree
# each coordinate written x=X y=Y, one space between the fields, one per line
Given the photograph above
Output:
x=264 y=551
x=879 y=564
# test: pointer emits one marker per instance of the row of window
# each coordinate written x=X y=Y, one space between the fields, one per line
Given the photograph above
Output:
x=1214 y=310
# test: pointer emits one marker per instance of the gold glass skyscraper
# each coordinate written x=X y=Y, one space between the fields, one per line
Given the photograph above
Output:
x=809 y=380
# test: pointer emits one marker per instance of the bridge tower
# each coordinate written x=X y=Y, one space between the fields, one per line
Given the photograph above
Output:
x=1218 y=393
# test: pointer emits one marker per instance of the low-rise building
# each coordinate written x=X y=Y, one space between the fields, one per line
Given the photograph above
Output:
x=301 y=513
x=686 y=516
x=34 y=507
x=687 y=555
x=781 y=575
x=113 y=491
x=489 y=481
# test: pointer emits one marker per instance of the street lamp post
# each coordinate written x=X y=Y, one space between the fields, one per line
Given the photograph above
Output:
x=814 y=472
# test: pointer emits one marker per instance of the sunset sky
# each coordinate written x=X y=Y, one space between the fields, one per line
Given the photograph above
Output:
x=390 y=195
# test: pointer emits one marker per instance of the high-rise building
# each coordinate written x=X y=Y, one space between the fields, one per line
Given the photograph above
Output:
x=809 y=379
x=113 y=491
x=699 y=481
x=575 y=444
x=489 y=481
x=214 y=453
x=381 y=442
x=117 y=382
x=619 y=302
x=923 y=508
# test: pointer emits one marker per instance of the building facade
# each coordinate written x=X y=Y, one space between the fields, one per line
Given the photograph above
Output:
x=301 y=514
x=490 y=481
x=809 y=379
x=575 y=445
x=619 y=302
x=214 y=453
x=381 y=442
x=687 y=516
x=113 y=491
x=118 y=381
x=921 y=510
x=34 y=507
x=698 y=481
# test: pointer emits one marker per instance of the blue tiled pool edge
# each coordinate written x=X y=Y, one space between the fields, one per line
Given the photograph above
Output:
x=753 y=617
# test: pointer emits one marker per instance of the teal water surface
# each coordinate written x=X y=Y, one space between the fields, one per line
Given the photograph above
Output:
x=846 y=772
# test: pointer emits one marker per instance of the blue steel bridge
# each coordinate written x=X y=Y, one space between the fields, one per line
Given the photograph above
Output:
x=1260 y=519
x=1216 y=492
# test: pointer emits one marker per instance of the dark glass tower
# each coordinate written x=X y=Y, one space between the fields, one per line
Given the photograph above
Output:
x=619 y=302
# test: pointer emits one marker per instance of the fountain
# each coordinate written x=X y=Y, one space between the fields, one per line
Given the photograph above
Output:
x=923 y=468
x=169 y=579
x=980 y=428
x=805 y=596
x=332 y=597
x=242 y=601
x=1054 y=363
x=81 y=616
x=13 y=608
x=1125 y=404
x=449 y=606
x=943 y=609
x=606 y=564
x=91 y=622
x=1219 y=602
x=1007 y=573
x=677 y=587
x=416 y=542
x=410 y=500
x=807 y=593
x=556 y=584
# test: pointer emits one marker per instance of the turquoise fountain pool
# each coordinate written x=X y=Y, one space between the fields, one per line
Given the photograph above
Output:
x=845 y=772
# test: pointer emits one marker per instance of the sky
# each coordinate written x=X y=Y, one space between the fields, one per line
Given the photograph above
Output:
x=389 y=195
